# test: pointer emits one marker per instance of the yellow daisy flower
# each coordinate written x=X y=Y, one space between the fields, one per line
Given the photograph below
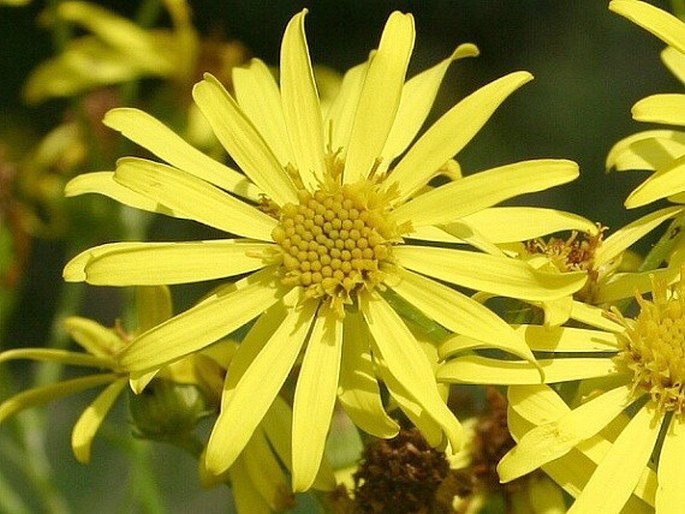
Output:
x=625 y=365
x=324 y=230
x=662 y=150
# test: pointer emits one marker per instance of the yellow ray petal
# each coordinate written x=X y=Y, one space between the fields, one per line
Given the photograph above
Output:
x=418 y=96
x=202 y=324
x=246 y=496
x=474 y=369
x=259 y=98
x=89 y=422
x=359 y=392
x=340 y=116
x=126 y=264
x=485 y=189
x=45 y=394
x=102 y=182
x=93 y=337
x=300 y=101
x=242 y=140
x=60 y=356
x=662 y=24
x=675 y=62
x=594 y=316
x=407 y=363
x=152 y=134
x=380 y=97
x=667 y=181
x=315 y=395
x=482 y=272
x=664 y=108
x=451 y=133
x=647 y=150
x=670 y=495
x=266 y=472
x=536 y=403
x=457 y=312
x=153 y=306
x=624 y=237
x=194 y=198
x=243 y=409
x=523 y=223
x=617 y=475
x=552 y=440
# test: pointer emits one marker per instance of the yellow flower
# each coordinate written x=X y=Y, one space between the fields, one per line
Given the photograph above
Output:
x=663 y=150
x=325 y=231
x=116 y=51
x=632 y=366
x=101 y=345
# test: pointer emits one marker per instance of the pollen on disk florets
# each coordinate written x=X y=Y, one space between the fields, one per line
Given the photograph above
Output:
x=653 y=348
x=335 y=240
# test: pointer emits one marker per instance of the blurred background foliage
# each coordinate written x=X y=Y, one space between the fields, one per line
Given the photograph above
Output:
x=590 y=67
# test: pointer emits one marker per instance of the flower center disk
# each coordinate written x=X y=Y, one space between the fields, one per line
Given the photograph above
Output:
x=653 y=350
x=335 y=240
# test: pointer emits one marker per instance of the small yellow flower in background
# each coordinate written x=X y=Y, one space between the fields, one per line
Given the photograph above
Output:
x=116 y=51
x=663 y=150
x=633 y=366
x=328 y=221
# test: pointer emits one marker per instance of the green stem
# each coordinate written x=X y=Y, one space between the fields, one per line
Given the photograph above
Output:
x=145 y=491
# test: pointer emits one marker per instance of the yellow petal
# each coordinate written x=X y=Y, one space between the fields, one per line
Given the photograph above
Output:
x=245 y=494
x=96 y=339
x=300 y=101
x=315 y=395
x=675 y=62
x=664 y=108
x=59 y=356
x=102 y=182
x=194 y=198
x=243 y=141
x=536 y=403
x=624 y=237
x=485 y=189
x=552 y=440
x=523 y=223
x=45 y=394
x=662 y=24
x=418 y=96
x=340 y=116
x=474 y=369
x=670 y=495
x=126 y=264
x=457 y=312
x=594 y=316
x=359 y=391
x=451 y=133
x=665 y=182
x=265 y=472
x=380 y=97
x=396 y=345
x=618 y=473
x=89 y=422
x=259 y=98
x=152 y=134
x=202 y=324
x=482 y=272
x=647 y=150
x=249 y=394
x=153 y=306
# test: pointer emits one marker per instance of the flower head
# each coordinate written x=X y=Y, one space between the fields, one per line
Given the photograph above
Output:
x=329 y=222
x=630 y=376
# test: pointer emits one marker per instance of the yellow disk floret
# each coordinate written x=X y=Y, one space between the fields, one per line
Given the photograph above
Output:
x=335 y=240
x=653 y=348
